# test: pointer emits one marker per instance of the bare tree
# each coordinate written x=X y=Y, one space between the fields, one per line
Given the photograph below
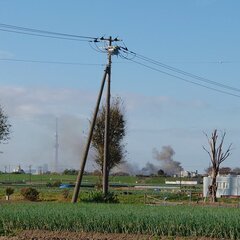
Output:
x=217 y=156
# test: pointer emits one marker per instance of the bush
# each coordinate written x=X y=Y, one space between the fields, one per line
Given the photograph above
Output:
x=30 y=194
x=98 y=197
x=56 y=183
x=65 y=193
x=70 y=172
x=9 y=191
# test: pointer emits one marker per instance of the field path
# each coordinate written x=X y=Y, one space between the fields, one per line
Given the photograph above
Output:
x=50 y=235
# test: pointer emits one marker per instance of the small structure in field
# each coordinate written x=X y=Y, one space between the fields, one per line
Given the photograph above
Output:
x=227 y=186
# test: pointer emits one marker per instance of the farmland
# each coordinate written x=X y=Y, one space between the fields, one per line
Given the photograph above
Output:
x=122 y=218
x=122 y=185
x=176 y=214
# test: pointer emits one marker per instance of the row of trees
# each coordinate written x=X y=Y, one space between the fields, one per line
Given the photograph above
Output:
x=224 y=171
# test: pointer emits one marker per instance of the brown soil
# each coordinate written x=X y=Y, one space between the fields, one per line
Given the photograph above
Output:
x=49 y=235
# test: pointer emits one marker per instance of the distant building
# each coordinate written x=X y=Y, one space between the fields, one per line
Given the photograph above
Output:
x=39 y=170
x=18 y=170
x=185 y=174
x=189 y=174
x=181 y=182
x=45 y=168
x=226 y=186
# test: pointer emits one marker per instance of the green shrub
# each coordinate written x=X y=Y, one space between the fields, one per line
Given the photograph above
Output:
x=65 y=193
x=9 y=191
x=56 y=183
x=30 y=194
x=98 y=197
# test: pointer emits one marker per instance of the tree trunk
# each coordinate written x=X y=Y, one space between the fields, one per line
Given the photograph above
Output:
x=214 y=186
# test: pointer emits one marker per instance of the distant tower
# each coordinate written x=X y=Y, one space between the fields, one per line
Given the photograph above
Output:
x=56 y=148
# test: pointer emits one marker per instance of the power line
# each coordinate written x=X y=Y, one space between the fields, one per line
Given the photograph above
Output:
x=203 y=61
x=74 y=37
x=42 y=35
x=50 y=62
x=185 y=80
x=176 y=70
x=19 y=29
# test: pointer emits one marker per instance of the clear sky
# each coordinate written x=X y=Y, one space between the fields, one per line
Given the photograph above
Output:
x=198 y=36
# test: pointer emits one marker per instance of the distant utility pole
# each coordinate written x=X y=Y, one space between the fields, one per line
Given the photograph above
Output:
x=111 y=50
x=56 y=148
x=30 y=173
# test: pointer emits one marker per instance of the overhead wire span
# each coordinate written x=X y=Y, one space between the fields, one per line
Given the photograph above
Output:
x=74 y=37
x=24 y=29
x=42 y=35
x=176 y=70
x=184 y=79
x=50 y=62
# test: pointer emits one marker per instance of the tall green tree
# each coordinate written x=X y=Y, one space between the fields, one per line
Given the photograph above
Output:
x=4 y=126
x=117 y=131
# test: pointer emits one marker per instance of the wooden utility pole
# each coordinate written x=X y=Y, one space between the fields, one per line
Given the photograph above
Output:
x=30 y=173
x=111 y=50
x=107 y=123
x=56 y=148
x=85 y=154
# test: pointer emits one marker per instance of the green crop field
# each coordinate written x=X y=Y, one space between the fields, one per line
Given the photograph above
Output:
x=44 y=178
x=119 y=218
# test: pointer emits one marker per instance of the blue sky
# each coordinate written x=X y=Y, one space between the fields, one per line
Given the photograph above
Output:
x=197 y=36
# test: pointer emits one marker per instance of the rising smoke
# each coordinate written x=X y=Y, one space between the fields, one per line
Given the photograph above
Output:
x=164 y=161
x=165 y=158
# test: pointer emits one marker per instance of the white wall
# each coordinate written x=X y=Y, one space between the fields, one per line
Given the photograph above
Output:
x=227 y=185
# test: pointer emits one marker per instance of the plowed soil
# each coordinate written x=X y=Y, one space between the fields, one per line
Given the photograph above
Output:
x=49 y=235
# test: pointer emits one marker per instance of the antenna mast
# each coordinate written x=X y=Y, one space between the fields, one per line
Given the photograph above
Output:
x=56 y=148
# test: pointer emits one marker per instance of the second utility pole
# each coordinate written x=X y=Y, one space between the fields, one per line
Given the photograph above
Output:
x=107 y=123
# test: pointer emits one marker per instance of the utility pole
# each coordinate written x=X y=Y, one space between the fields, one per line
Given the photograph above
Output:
x=111 y=50
x=9 y=174
x=107 y=123
x=30 y=173
x=56 y=148
x=5 y=171
x=85 y=153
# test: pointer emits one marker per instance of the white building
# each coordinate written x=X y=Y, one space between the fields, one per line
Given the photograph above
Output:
x=226 y=185
x=189 y=174
x=18 y=170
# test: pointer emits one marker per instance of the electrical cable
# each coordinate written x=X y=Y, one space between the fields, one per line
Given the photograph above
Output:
x=185 y=80
x=149 y=60
x=24 y=29
x=41 y=35
x=50 y=62
x=95 y=49
x=73 y=37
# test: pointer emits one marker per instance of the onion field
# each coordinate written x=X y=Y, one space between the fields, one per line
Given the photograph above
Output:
x=196 y=221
